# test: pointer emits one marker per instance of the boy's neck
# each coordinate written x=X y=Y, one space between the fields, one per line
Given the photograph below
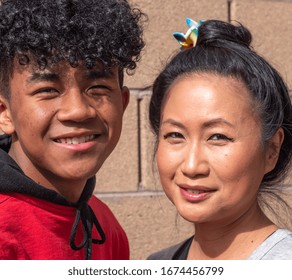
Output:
x=71 y=190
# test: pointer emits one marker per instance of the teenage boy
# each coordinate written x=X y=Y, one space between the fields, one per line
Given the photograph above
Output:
x=62 y=101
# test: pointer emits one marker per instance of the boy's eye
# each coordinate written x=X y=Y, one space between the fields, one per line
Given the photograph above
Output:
x=98 y=89
x=48 y=91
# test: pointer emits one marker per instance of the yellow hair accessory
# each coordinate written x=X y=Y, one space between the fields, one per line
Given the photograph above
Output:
x=189 y=39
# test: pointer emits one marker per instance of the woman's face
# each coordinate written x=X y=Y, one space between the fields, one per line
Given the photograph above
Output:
x=210 y=156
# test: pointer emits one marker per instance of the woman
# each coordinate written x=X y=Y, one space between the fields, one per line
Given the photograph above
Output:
x=223 y=120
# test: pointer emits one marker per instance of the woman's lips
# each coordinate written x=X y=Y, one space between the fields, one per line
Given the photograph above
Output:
x=195 y=193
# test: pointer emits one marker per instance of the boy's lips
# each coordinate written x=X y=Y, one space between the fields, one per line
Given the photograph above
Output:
x=76 y=140
x=77 y=143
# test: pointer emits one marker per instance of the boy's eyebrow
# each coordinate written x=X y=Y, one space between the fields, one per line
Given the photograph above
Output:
x=97 y=74
x=43 y=76
x=52 y=77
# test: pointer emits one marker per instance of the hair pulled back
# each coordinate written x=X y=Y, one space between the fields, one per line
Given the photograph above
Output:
x=224 y=49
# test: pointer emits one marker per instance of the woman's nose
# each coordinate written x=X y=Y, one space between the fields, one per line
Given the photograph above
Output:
x=195 y=162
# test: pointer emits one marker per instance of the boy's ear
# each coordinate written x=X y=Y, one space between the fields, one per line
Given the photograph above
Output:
x=273 y=149
x=125 y=97
x=6 y=124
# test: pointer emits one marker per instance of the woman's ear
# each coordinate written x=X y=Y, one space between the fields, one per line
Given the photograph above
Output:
x=6 y=124
x=273 y=149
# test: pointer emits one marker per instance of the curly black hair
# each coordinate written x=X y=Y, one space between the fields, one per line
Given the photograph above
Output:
x=47 y=31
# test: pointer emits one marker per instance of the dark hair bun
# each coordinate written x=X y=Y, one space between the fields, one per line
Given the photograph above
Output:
x=215 y=32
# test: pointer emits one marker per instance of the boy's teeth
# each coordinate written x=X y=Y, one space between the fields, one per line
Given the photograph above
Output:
x=75 y=140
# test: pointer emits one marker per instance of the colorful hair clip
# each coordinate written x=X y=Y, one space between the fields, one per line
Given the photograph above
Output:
x=188 y=39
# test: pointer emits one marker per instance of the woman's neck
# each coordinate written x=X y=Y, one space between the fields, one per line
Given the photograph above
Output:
x=236 y=240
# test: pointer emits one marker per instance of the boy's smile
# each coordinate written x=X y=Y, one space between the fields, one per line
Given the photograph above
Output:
x=64 y=121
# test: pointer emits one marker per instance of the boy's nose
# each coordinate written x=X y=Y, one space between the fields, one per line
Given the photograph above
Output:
x=75 y=107
x=194 y=163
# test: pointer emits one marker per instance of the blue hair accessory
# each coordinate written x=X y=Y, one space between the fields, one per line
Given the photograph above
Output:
x=189 y=39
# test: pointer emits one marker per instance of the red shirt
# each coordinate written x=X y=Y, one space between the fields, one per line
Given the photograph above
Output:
x=36 y=229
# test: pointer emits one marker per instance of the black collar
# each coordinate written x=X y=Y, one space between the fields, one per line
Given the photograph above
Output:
x=13 y=180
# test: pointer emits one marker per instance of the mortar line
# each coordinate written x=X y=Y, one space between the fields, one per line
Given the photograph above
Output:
x=139 y=144
x=229 y=3
x=130 y=194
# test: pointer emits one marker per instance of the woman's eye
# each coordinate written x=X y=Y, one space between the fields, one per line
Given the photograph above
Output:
x=173 y=135
x=173 y=138
x=218 y=137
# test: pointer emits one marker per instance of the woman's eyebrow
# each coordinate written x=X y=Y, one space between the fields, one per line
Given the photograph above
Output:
x=207 y=124
x=218 y=121
x=173 y=122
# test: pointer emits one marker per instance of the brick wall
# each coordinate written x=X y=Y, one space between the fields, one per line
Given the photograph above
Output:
x=127 y=182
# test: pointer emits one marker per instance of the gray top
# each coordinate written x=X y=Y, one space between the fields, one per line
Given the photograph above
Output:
x=278 y=246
